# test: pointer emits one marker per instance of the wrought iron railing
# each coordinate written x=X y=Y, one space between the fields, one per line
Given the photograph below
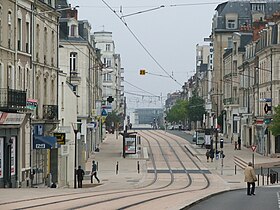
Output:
x=12 y=99
x=50 y=112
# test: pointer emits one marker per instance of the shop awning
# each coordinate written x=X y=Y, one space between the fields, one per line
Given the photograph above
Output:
x=44 y=142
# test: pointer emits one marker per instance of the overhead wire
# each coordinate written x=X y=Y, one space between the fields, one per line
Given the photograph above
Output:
x=142 y=45
x=72 y=44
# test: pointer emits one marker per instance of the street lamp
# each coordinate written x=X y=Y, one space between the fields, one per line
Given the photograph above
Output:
x=75 y=129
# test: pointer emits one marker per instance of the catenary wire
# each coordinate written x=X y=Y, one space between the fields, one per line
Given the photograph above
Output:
x=142 y=45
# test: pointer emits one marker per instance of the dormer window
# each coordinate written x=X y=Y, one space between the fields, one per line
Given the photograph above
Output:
x=231 y=24
x=73 y=30
x=257 y=7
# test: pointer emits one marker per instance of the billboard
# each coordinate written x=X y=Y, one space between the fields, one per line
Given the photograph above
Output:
x=130 y=144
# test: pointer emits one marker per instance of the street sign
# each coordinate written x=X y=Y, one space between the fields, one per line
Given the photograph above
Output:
x=267 y=108
x=254 y=147
x=60 y=137
x=103 y=113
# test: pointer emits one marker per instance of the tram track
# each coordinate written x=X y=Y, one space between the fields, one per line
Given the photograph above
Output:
x=139 y=194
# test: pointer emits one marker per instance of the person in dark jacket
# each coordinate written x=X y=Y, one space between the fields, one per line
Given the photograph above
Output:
x=239 y=143
x=212 y=154
x=80 y=176
x=94 y=172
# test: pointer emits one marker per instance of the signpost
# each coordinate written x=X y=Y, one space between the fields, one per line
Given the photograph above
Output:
x=253 y=147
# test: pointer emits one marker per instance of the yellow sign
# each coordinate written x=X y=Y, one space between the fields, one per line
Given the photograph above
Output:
x=60 y=138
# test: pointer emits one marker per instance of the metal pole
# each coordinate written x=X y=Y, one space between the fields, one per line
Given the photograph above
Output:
x=253 y=159
x=75 y=159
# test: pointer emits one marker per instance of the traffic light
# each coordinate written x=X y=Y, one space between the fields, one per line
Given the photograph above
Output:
x=110 y=99
x=142 y=71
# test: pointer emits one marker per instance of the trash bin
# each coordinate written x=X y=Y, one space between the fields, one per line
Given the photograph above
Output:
x=272 y=177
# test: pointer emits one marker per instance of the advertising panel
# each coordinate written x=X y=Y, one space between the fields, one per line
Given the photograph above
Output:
x=1 y=157
x=130 y=144
x=13 y=155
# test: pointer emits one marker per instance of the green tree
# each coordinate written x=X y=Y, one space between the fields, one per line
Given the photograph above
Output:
x=112 y=120
x=274 y=126
x=196 y=108
x=178 y=112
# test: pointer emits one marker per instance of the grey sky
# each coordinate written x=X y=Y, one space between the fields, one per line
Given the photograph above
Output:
x=170 y=35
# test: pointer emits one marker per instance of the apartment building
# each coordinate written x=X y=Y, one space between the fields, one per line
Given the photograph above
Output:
x=29 y=72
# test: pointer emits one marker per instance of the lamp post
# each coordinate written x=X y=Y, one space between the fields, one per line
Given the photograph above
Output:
x=75 y=129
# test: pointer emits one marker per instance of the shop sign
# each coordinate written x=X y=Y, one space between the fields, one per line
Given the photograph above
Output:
x=11 y=118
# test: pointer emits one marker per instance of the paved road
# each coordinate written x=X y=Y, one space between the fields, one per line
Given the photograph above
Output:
x=265 y=198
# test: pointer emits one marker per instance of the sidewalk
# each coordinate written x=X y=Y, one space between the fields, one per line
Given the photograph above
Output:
x=234 y=162
x=114 y=170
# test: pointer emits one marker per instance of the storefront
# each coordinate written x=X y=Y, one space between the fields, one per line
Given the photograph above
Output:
x=11 y=145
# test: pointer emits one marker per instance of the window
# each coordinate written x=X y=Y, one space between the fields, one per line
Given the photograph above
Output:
x=108 y=63
x=1 y=24
x=10 y=77
x=107 y=77
x=46 y=40
x=19 y=79
x=108 y=47
x=27 y=28
x=1 y=76
x=73 y=30
x=27 y=86
x=45 y=94
x=19 y=33
x=73 y=62
x=10 y=18
x=231 y=24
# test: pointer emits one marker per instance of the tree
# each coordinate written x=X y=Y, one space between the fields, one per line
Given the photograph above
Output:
x=112 y=120
x=274 y=126
x=178 y=112
x=196 y=108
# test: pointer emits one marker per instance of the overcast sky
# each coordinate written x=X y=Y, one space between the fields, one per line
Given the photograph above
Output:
x=169 y=35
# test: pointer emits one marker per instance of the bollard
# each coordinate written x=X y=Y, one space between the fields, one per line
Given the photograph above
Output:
x=117 y=167
x=138 y=167
x=277 y=177
x=96 y=166
x=263 y=179
x=235 y=169
x=258 y=180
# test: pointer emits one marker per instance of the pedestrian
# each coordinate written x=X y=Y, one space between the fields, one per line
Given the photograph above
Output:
x=207 y=155
x=239 y=143
x=94 y=172
x=212 y=154
x=250 y=178
x=235 y=145
x=80 y=175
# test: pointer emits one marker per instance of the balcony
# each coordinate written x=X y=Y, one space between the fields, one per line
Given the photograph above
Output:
x=230 y=75
x=12 y=100
x=231 y=101
x=50 y=112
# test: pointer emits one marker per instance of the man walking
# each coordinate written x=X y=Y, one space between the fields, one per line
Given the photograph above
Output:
x=80 y=175
x=94 y=172
x=250 y=178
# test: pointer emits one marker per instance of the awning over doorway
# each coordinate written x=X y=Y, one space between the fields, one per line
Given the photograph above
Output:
x=44 y=142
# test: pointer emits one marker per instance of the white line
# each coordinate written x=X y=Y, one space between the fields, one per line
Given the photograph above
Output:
x=278 y=196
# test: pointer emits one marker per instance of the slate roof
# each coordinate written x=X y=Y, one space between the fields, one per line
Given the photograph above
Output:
x=243 y=9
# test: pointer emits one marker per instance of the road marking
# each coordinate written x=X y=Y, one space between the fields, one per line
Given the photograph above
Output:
x=278 y=196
